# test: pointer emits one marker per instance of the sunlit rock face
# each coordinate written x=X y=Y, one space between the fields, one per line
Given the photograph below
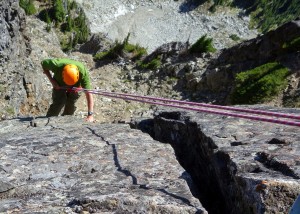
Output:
x=153 y=23
x=63 y=165
x=244 y=166
x=12 y=23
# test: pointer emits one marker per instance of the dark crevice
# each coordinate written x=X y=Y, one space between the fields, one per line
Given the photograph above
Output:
x=271 y=163
x=217 y=181
x=204 y=177
x=213 y=172
x=236 y=143
x=278 y=141
x=25 y=86
x=195 y=159
x=116 y=159
x=119 y=168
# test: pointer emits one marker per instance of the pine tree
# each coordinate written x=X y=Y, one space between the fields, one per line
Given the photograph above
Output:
x=59 y=12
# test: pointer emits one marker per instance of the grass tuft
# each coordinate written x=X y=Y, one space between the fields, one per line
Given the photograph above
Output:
x=28 y=7
x=260 y=84
x=203 y=45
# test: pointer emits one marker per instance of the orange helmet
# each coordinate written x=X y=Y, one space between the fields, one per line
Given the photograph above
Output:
x=70 y=74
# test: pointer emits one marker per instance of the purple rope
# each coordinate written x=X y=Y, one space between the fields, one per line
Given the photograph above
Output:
x=271 y=120
x=139 y=98
x=252 y=111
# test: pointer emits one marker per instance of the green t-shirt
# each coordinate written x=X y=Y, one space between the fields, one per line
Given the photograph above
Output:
x=57 y=65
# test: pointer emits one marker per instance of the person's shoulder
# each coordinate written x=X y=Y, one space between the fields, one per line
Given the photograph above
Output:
x=66 y=61
x=70 y=61
x=80 y=65
x=46 y=62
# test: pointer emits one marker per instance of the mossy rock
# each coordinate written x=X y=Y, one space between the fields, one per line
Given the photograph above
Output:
x=260 y=84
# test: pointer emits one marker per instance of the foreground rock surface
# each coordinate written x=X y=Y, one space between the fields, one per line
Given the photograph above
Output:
x=240 y=166
x=63 y=165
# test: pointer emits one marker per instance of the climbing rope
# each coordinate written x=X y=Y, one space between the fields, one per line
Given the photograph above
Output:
x=202 y=107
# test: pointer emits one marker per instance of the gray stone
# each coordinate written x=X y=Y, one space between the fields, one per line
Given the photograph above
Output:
x=244 y=166
x=67 y=165
x=156 y=22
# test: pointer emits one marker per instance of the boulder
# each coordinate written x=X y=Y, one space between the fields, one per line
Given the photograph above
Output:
x=238 y=165
x=65 y=165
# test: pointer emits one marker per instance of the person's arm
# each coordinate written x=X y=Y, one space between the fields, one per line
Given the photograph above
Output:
x=53 y=81
x=90 y=104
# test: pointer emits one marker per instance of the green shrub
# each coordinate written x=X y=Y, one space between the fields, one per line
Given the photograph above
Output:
x=268 y=15
x=66 y=43
x=234 y=37
x=68 y=25
x=259 y=84
x=203 y=45
x=71 y=21
x=28 y=6
x=293 y=45
x=213 y=8
x=152 y=65
x=81 y=27
x=111 y=54
x=119 y=49
x=137 y=51
x=45 y=15
x=222 y=2
x=59 y=11
x=129 y=47
x=101 y=56
x=72 y=5
x=265 y=15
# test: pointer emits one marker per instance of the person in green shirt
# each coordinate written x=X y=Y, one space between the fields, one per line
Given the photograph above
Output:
x=67 y=73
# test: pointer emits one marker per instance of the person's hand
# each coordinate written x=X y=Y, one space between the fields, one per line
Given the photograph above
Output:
x=89 y=118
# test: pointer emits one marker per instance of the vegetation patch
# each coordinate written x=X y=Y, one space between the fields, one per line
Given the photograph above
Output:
x=292 y=101
x=203 y=45
x=293 y=45
x=10 y=110
x=154 y=64
x=265 y=15
x=268 y=15
x=67 y=18
x=172 y=80
x=260 y=84
x=28 y=7
x=124 y=49
x=222 y=2
x=234 y=37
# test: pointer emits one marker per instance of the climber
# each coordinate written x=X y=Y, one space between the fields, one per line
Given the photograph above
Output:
x=67 y=73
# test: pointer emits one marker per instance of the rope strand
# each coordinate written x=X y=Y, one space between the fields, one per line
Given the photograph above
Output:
x=252 y=111
x=186 y=105
x=272 y=120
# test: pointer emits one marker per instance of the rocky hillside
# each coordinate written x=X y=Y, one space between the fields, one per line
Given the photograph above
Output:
x=214 y=164
x=153 y=23
x=205 y=78
x=22 y=85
